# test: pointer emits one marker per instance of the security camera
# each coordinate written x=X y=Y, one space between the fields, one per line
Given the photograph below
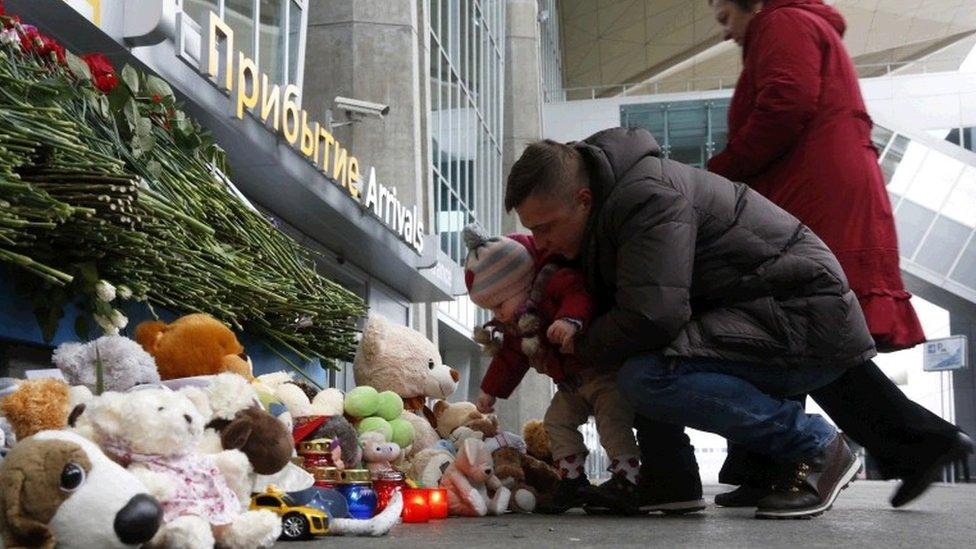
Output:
x=364 y=108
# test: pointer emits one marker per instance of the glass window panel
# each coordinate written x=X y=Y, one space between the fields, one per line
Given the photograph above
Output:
x=934 y=180
x=880 y=136
x=272 y=39
x=912 y=158
x=891 y=159
x=961 y=205
x=239 y=15
x=294 y=36
x=465 y=117
x=435 y=17
x=687 y=128
x=942 y=245
x=720 y=126
x=912 y=221
x=198 y=10
x=965 y=272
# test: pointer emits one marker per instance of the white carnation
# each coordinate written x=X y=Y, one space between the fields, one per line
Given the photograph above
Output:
x=106 y=324
x=119 y=320
x=105 y=291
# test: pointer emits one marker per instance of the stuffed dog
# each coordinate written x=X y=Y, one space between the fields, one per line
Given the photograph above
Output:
x=59 y=489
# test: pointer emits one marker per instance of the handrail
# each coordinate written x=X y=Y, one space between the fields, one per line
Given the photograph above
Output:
x=724 y=82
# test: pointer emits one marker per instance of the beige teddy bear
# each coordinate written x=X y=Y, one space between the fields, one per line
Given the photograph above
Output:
x=155 y=433
x=452 y=416
x=396 y=358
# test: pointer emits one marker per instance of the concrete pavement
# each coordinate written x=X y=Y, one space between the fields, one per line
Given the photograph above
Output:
x=944 y=518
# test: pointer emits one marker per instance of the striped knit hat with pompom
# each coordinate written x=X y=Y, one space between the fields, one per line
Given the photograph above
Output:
x=496 y=267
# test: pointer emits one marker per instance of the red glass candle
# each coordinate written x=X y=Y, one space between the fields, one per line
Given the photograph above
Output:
x=415 y=508
x=437 y=502
x=387 y=483
x=316 y=453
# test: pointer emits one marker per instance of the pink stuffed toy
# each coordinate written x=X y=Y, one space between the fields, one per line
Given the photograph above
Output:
x=467 y=481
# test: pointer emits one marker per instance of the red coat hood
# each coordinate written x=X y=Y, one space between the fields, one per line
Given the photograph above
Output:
x=815 y=7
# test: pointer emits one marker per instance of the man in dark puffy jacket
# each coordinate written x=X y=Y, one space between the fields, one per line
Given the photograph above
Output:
x=716 y=304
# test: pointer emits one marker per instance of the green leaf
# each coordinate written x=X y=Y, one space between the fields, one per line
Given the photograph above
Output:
x=143 y=127
x=154 y=168
x=103 y=106
x=131 y=78
x=132 y=115
x=48 y=318
x=87 y=275
x=78 y=66
x=99 y=373
x=158 y=86
x=102 y=308
x=117 y=97
x=81 y=327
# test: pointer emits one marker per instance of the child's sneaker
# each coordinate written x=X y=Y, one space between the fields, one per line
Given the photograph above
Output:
x=617 y=495
x=570 y=492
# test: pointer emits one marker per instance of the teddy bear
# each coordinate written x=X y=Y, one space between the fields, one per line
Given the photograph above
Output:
x=40 y=405
x=450 y=416
x=239 y=422
x=193 y=345
x=397 y=358
x=428 y=466
x=537 y=441
x=125 y=363
x=378 y=454
x=57 y=489
x=532 y=482
x=154 y=433
x=467 y=480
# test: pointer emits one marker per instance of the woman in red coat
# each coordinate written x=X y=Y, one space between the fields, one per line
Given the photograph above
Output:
x=800 y=135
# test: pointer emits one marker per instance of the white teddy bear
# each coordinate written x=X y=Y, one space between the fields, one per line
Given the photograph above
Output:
x=155 y=433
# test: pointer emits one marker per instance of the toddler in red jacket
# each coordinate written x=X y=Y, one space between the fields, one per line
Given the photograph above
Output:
x=538 y=305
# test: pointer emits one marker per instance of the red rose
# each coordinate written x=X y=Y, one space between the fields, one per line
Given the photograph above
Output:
x=103 y=73
x=156 y=98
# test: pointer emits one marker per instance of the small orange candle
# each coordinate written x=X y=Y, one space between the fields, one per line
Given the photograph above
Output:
x=415 y=507
x=437 y=499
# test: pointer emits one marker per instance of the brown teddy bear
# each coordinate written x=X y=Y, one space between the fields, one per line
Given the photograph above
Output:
x=532 y=482
x=537 y=441
x=450 y=416
x=193 y=345
x=37 y=405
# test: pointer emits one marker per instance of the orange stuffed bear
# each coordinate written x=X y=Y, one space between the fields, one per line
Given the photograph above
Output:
x=193 y=345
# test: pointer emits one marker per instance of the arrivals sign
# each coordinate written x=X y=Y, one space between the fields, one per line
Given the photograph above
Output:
x=277 y=108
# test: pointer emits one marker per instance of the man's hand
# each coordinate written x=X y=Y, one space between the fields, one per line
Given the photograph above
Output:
x=485 y=403
x=560 y=332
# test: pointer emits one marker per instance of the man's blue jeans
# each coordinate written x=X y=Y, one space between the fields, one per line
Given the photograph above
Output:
x=745 y=403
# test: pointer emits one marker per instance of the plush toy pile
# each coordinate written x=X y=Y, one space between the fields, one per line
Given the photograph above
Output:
x=195 y=461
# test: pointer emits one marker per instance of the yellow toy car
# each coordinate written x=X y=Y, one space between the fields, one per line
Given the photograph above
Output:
x=297 y=521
